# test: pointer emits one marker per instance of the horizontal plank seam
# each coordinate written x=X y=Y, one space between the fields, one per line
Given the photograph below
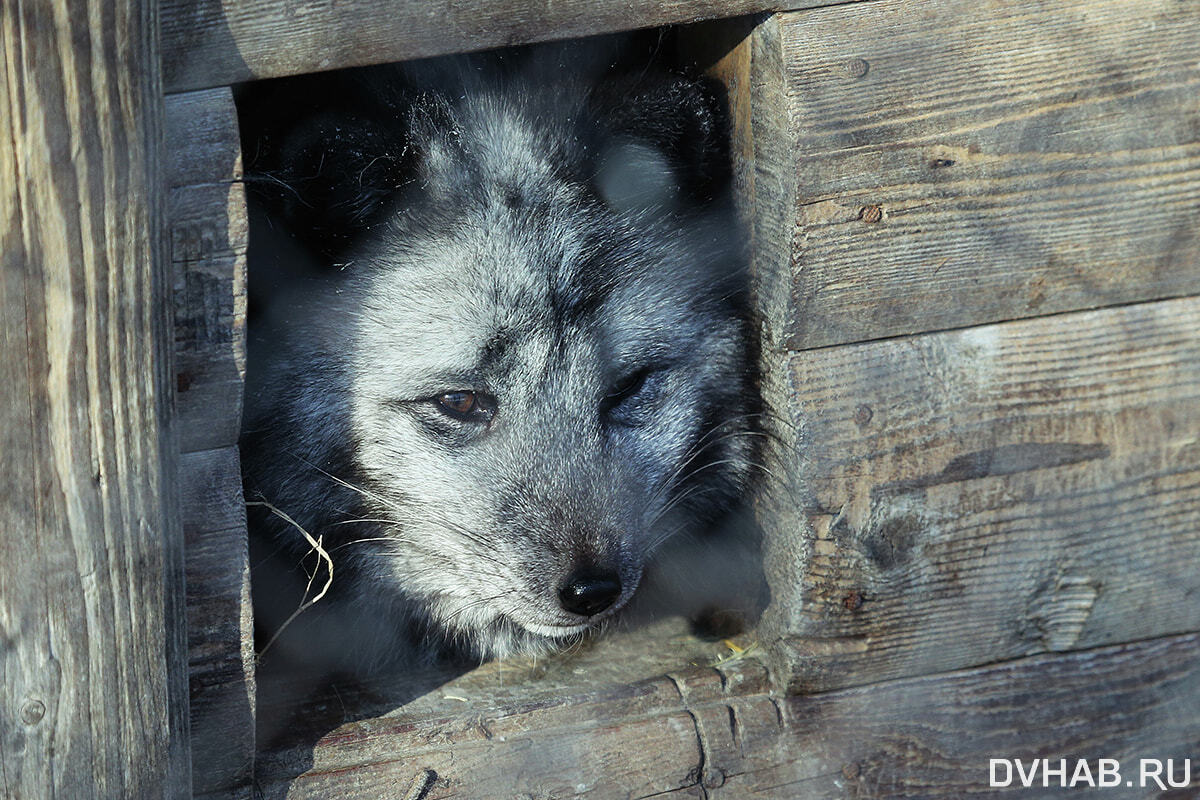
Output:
x=1045 y=655
x=973 y=326
x=212 y=531
x=201 y=184
x=200 y=452
x=183 y=450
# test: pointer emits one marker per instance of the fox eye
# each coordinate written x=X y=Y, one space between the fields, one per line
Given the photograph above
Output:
x=630 y=400
x=467 y=406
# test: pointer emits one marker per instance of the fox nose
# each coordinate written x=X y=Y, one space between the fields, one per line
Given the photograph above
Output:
x=587 y=592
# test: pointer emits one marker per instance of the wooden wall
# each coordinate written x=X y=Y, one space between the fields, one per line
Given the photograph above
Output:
x=961 y=212
x=975 y=250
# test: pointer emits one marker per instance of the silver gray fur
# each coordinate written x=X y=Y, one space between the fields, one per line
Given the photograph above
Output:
x=500 y=270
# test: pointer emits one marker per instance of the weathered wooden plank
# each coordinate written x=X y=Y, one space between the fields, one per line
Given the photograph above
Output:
x=209 y=235
x=486 y=731
x=953 y=163
x=210 y=331
x=644 y=757
x=718 y=733
x=220 y=622
x=92 y=670
x=748 y=59
x=202 y=138
x=933 y=736
x=209 y=238
x=988 y=493
x=209 y=406
x=216 y=560
x=221 y=42
x=208 y=221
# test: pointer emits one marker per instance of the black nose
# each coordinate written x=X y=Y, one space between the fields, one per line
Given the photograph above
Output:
x=587 y=592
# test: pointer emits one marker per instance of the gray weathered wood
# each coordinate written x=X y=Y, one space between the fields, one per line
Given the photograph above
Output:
x=988 y=493
x=572 y=725
x=209 y=237
x=91 y=584
x=952 y=163
x=719 y=733
x=220 y=622
x=748 y=59
x=933 y=736
x=202 y=138
x=221 y=42
x=209 y=242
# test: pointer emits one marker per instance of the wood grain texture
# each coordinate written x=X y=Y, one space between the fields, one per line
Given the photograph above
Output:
x=748 y=59
x=94 y=697
x=575 y=725
x=220 y=622
x=220 y=42
x=984 y=494
x=932 y=736
x=202 y=138
x=717 y=732
x=209 y=236
x=957 y=162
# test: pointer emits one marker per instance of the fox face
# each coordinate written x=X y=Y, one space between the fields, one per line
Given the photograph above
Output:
x=525 y=368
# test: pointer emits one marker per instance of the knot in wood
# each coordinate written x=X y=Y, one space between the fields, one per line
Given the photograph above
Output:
x=32 y=712
x=862 y=415
x=871 y=213
x=714 y=778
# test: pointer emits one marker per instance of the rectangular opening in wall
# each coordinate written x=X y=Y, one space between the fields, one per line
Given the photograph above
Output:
x=503 y=427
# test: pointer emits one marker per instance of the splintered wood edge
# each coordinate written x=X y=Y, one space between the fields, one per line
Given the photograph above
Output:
x=723 y=729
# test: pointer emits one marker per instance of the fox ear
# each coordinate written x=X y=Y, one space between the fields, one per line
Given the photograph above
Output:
x=683 y=120
x=322 y=161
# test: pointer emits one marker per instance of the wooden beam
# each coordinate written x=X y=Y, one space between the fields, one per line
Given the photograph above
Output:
x=989 y=493
x=933 y=736
x=220 y=42
x=209 y=237
x=953 y=163
x=92 y=666
x=220 y=623
x=207 y=213
x=718 y=732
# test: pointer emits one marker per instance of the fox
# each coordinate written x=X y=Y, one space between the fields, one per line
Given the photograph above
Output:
x=501 y=348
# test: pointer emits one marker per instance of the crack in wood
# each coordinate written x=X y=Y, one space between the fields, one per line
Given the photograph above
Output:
x=1006 y=459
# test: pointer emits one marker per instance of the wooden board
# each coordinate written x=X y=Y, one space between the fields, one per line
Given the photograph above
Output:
x=989 y=493
x=934 y=736
x=209 y=239
x=221 y=42
x=953 y=163
x=202 y=138
x=220 y=622
x=717 y=732
x=468 y=727
x=748 y=58
x=92 y=660
x=209 y=236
